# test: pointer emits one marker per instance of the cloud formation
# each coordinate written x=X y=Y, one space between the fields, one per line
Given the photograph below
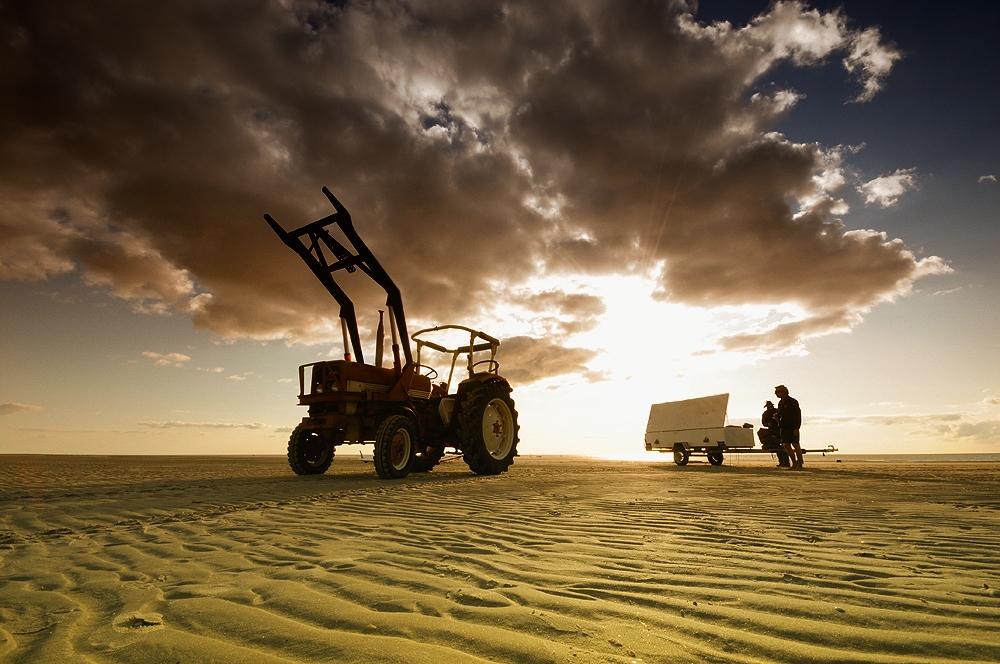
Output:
x=11 y=408
x=528 y=359
x=203 y=425
x=477 y=147
x=886 y=190
x=168 y=359
x=978 y=422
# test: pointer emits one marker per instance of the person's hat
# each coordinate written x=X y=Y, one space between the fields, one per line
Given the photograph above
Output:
x=780 y=388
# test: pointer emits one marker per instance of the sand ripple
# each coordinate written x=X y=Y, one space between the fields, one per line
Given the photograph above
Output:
x=562 y=560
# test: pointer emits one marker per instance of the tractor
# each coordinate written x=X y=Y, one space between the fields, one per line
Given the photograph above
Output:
x=411 y=420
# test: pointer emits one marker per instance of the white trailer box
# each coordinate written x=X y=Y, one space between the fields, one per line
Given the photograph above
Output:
x=695 y=424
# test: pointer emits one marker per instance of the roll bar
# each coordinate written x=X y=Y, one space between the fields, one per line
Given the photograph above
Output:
x=491 y=344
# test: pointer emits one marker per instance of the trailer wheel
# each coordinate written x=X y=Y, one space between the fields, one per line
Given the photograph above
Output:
x=487 y=428
x=424 y=461
x=681 y=455
x=309 y=452
x=714 y=458
x=395 y=443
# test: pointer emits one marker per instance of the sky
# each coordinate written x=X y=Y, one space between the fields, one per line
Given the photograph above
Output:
x=645 y=201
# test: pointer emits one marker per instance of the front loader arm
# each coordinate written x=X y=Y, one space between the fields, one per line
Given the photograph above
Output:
x=317 y=251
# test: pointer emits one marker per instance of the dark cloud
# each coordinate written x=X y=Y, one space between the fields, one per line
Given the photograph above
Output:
x=476 y=145
x=786 y=334
x=559 y=301
x=561 y=314
x=524 y=360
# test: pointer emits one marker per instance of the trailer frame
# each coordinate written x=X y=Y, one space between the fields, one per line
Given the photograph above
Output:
x=716 y=454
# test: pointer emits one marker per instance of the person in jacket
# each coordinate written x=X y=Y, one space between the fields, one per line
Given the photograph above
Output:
x=789 y=417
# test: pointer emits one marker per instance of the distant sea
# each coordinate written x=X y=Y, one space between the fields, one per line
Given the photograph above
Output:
x=918 y=458
x=735 y=457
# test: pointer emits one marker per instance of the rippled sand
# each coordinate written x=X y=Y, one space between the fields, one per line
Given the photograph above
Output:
x=180 y=559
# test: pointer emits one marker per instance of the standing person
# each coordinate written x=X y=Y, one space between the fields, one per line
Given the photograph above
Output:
x=770 y=437
x=789 y=417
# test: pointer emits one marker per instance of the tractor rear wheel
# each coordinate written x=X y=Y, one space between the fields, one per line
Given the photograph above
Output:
x=309 y=452
x=395 y=444
x=681 y=455
x=715 y=458
x=487 y=429
x=425 y=460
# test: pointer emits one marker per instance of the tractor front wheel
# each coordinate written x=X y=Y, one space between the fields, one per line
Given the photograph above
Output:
x=395 y=444
x=309 y=452
x=487 y=428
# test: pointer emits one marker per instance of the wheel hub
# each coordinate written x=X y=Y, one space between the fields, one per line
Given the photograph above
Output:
x=497 y=428
x=399 y=449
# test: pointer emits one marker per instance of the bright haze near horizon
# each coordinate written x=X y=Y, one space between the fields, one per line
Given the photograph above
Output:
x=645 y=201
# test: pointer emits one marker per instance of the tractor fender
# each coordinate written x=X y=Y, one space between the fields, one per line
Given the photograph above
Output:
x=481 y=381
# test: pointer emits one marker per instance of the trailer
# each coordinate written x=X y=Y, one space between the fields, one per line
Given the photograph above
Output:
x=697 y=428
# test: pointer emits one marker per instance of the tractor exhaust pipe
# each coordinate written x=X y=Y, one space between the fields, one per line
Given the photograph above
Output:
x=379 y=340
x=397 y=367
x=343 y=328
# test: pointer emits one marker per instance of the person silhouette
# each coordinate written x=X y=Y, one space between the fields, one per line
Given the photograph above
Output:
x=770 y=436
x=789 y=416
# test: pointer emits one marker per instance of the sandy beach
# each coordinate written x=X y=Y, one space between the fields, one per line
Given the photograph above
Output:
x=563 y=559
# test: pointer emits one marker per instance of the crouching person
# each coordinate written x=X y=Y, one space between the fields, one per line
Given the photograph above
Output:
x=770 y=436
